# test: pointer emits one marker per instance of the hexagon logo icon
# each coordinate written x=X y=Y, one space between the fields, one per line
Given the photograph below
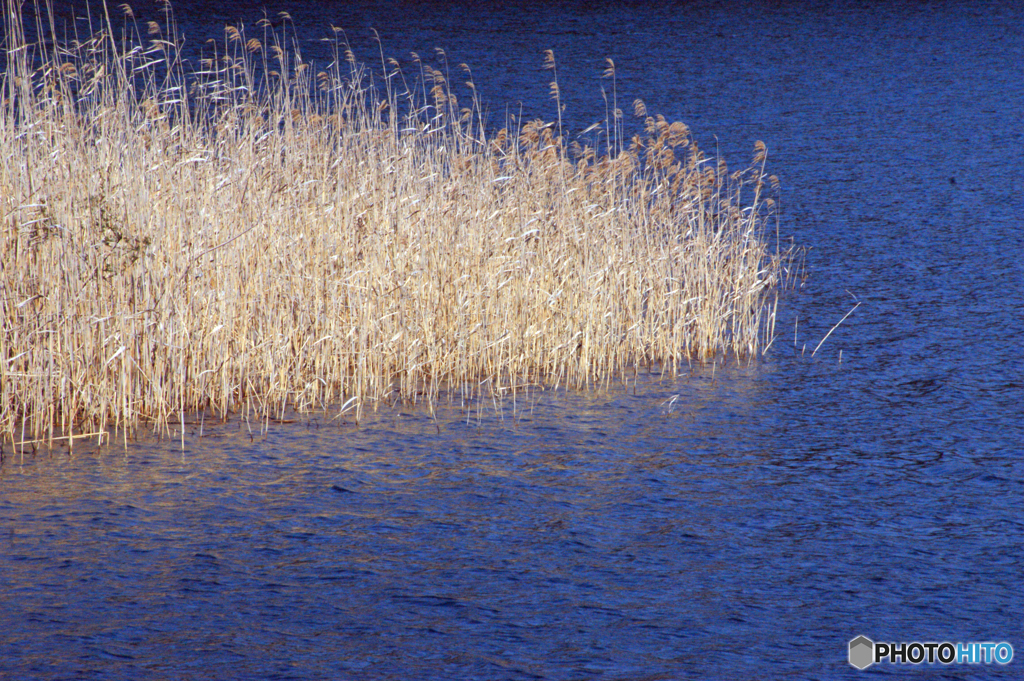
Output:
x=862 y=652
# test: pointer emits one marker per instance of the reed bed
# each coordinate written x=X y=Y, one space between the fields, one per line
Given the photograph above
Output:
x=254 y=234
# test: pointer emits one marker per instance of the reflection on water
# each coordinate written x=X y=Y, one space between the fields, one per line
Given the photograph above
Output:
x=746 y=521
x=698 y=527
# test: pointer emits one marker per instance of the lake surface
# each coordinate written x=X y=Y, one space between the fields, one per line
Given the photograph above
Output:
x=741 y=521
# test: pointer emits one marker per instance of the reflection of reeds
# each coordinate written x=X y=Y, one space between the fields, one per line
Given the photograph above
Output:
x=251 y=234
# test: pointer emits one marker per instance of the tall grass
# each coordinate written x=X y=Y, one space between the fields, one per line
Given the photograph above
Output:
x=253 y=234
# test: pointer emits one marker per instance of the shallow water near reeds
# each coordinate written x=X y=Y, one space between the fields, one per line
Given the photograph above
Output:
x=739 y=521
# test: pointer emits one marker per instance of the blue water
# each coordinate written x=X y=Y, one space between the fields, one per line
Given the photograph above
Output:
x=741 y=521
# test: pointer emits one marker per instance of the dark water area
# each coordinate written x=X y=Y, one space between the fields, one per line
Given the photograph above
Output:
x=740 y=521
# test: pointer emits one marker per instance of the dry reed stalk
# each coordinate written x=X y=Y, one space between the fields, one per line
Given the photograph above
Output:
x=254 y=236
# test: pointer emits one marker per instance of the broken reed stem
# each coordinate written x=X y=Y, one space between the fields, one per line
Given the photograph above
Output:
x=256 y=235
